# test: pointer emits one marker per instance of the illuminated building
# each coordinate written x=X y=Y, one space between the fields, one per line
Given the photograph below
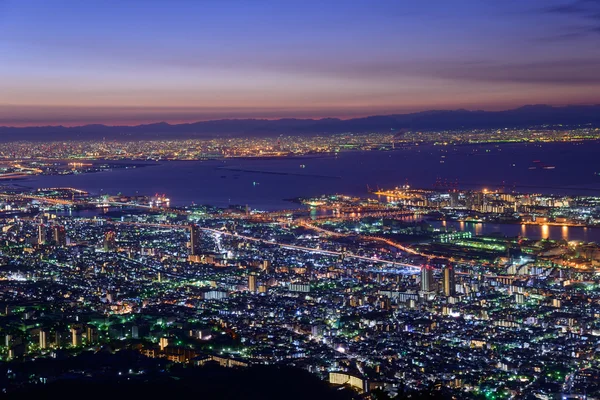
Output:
x=222 y=361
x=252 y=283
x=265 y=265
x=91 y=335
x=194 y=240
x=454 y=199
x=43 y=339
x=341 y=378
x=59 y=236
x=110 y=242
x=449 y=281
x=76 y=336
x=164 y=342
x=42 y=234
x=583 y=382
x=300 y=287
x=215 y=295
x=427 y=282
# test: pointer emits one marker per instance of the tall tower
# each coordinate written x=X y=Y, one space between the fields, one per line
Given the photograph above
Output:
x=59 y=235
x=43 y=339
x=427 y=278
x=194 y=240
x=252 y=282
x=76 y=336
x=42 y=234
x=91 y=335
x=449 y=281
x=265 y=265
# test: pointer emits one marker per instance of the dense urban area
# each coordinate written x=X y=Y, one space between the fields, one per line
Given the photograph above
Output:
x=300 y=199
x=362 y=292
x=268 y=146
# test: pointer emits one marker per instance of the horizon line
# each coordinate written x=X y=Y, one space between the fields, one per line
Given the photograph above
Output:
x=185 y=121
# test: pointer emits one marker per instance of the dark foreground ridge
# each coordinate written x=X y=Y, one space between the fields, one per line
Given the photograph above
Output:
x=128 y=375
x=428 y=120
x=207 y=383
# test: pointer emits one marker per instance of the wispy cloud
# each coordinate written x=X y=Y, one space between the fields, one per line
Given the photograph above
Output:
x=557 y=72
x=587 y=12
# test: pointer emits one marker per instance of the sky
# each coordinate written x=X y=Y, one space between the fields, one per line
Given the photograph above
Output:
x=123 y=62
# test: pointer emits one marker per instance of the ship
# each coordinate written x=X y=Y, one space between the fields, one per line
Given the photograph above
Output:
x=159 y=200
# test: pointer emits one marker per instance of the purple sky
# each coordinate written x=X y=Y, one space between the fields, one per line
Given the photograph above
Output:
x=124 y=62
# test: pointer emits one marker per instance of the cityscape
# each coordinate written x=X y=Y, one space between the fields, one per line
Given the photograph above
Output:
x=366 y=292
x=266 y=200
x=43 y=157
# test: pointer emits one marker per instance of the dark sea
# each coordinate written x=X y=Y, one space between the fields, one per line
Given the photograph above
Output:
x=268 y=184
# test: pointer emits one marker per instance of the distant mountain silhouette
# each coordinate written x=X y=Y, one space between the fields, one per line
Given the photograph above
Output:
x=526 y=116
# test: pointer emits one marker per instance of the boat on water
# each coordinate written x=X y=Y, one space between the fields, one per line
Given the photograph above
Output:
x=538 y=163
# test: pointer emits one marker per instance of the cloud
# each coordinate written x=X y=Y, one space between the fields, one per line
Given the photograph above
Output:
x=549 y=72
x=587 y=12
x=558 y=72
x=586 y=8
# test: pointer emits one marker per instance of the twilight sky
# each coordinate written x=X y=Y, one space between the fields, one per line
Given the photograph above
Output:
x=73 y=62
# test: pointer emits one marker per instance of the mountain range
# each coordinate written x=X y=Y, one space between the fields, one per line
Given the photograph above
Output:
x=522 y=117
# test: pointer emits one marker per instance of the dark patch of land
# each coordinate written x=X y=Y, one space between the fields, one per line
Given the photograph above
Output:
x=527 y=116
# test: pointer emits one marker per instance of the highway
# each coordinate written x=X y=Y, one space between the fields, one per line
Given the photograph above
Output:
x=38 y=198
x=269 y=242
x=375 y=238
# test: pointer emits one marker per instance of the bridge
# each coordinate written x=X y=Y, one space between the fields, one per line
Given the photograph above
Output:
x=41 y=199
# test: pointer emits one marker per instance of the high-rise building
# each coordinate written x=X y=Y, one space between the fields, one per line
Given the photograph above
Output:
x=449 y=281
x=163 y=343
x=252 y=282
x=453 y=199
x=427 y=283
x=265 y=265
x=76 y=336
x=43 y=339
x=42 y=234
x=91 y=335
x=59 y=235
x=110 y=241
x=194 y=240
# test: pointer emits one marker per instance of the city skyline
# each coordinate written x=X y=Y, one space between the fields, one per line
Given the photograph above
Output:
x=115 y=64
x=300 y=199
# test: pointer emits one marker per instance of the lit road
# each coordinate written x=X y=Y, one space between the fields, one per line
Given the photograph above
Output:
x=376 y=238
x=38 y=198
x=412 y=267
x=265 y=241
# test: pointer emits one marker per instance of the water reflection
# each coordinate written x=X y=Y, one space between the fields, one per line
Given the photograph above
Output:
x=545 y=232
x=553 y=232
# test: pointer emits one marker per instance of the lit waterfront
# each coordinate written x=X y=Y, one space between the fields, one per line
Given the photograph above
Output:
x=529 y=231
x=349 y=173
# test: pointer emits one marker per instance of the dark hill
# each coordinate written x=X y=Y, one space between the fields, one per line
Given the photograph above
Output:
x=522 y=117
